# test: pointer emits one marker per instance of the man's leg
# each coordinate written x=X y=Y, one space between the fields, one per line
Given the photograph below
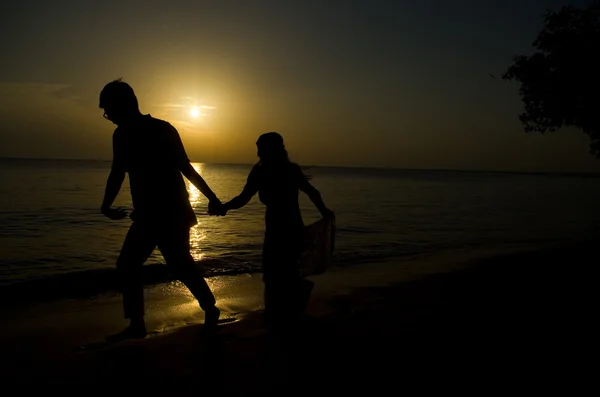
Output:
x=137 y=247
x=174 y=244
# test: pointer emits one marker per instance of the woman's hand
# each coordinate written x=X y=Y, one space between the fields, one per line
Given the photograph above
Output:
x=116 y=214
x=215 y=207
x=327 y=213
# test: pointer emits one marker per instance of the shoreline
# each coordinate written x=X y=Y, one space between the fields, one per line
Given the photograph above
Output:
x=530 y=308
x=97 y=282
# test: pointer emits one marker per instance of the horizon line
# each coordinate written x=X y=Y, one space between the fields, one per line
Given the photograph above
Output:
x=506 y=171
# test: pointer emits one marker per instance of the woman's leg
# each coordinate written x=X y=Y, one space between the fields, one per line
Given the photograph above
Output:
x=286 y=293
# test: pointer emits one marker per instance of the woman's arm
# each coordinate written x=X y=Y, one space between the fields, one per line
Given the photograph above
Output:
x=246 y=195
x=315 y=196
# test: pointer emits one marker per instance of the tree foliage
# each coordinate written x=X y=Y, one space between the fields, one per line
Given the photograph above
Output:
x=560 y=83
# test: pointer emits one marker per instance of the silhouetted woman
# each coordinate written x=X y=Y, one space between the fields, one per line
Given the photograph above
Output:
x=278 y=182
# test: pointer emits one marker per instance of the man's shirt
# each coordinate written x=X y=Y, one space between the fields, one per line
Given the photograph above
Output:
x=151 y=152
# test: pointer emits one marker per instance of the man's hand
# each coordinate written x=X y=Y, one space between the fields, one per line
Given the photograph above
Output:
x=215 y=207
x=116 y=214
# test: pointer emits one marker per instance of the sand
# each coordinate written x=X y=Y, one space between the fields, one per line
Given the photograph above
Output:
x=461 y=319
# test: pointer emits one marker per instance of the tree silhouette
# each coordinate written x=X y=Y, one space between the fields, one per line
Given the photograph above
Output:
x=560 y=83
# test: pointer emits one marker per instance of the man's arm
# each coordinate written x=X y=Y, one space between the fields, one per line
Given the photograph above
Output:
x=186 y=168
x=113 y=185
x=192 y=175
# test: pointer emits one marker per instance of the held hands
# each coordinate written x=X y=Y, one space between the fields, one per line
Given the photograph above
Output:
x=215 y=207
x=116 y=214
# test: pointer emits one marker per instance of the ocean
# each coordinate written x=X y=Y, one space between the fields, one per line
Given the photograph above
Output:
x=54 y=241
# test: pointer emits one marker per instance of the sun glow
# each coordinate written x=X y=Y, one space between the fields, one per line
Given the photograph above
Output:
x=195 y=112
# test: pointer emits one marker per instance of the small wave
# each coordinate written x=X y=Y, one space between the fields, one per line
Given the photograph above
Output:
x=356 y=230
x=89 y=283
x=353 y=259
x=93 y=282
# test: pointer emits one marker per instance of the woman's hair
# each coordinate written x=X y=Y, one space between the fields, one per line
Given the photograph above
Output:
x=271 y=148
x=272 y=152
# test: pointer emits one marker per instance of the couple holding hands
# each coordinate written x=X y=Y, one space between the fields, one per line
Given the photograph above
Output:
x=150 y=151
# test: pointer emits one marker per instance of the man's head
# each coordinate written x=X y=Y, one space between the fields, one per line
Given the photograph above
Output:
x=118 y=101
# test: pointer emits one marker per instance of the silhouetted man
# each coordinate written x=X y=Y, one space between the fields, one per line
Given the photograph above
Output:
x=151 y=152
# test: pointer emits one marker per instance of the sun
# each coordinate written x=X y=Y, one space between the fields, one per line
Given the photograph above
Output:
x=195 y=112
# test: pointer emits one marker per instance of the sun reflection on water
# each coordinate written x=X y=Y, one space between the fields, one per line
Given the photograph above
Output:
x=177 y=288
x=172 y=304
x=197 y=233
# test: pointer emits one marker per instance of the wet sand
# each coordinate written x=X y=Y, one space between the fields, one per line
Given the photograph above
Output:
x=484 y=321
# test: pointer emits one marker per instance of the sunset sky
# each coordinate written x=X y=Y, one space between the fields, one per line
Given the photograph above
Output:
x=358 y=83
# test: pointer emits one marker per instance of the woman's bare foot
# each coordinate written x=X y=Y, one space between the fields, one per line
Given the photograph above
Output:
x=136 y=330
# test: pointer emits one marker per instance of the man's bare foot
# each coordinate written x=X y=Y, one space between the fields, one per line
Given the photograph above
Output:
x=131 y=332
x=211 y=316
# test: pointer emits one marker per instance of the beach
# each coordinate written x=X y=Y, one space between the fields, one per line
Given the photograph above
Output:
x=475 y=318
x=423 y=163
